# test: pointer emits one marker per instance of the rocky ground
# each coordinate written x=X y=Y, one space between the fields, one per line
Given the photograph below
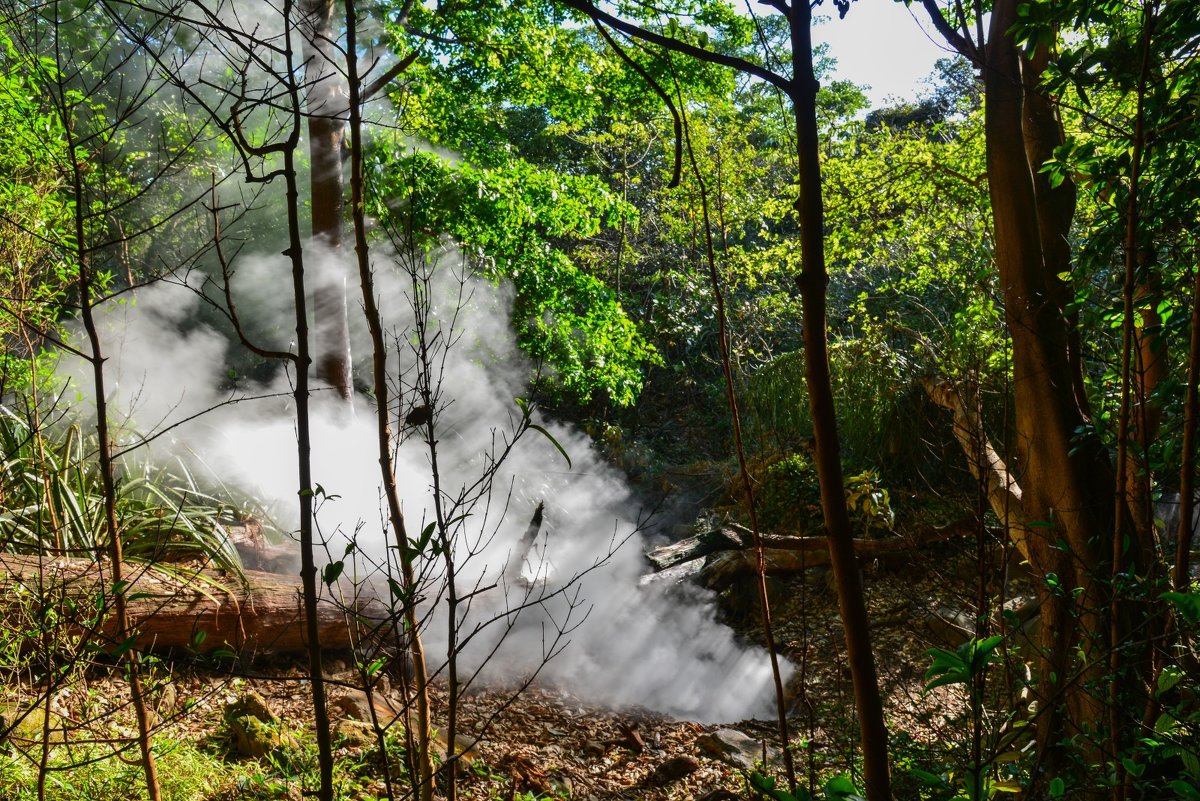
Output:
x=546 y=742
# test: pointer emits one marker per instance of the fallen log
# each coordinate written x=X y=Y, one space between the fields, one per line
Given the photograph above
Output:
x=728 y=537
x=783 y=554
x=182 y=607
x=259 y=553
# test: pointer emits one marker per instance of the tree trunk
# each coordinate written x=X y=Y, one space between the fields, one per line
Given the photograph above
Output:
x=985 y=464
x=1067 y=487
x=813 y=281
x=325 y=104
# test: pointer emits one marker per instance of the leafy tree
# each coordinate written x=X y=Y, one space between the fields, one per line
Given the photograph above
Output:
x=800 y=87
x=34 y=281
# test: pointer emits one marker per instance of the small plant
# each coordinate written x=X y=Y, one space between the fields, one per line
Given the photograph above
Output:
x=962 y=665
x=869 y=502
x=839 y=788
x=967 y=665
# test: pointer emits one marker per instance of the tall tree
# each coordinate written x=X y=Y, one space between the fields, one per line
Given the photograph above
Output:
x=1078 y=532
x=325 y=113
x=801 y=89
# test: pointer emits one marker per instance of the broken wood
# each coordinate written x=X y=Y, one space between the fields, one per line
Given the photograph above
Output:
x=727 y=537
x=794 y=554
x=183 y=607
x=783 y=554
x=717 y=557
x=1003 y=492
x=259 y=553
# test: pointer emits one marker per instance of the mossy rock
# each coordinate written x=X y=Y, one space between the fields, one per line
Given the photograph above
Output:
x=256 y=729
x=354 y=734
x=29 y=725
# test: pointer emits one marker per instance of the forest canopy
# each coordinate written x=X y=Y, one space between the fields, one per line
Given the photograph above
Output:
x=670 y=227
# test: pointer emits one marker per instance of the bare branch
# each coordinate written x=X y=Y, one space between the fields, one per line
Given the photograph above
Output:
x=788 y=85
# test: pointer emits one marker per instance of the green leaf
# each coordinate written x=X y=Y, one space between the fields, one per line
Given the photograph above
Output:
x=553 y=441
x=1057 y=787
x=1185 y=790
x=1168 y=678
x=332 y=571
x=1187 y=604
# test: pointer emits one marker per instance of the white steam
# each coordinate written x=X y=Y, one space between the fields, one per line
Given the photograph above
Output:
x=648 y=646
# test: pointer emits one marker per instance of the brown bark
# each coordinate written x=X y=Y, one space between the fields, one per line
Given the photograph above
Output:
x=985 y=464
x=1066 y=485
x=262 y=613
x=305 y=488
x=813 y=282
x=325 y=108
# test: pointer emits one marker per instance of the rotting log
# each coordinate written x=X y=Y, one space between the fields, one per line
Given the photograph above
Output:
x=1003 y=492
x=719 y=556
x=259 y=553
x=782 y=555
x=727 y=537
x=195 y=609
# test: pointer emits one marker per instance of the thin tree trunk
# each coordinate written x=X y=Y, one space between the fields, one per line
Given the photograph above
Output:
x=421 y=760
x=116 y=586
x=1128 y=457
x=1181 y=575
x=302 y=363
x=759 y=565
x=813 y=281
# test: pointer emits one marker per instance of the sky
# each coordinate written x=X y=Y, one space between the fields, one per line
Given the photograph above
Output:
x=884 y=44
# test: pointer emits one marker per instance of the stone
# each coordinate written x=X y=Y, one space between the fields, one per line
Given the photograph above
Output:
x=950 y=627
x=731 y=746
x=28 y=725
x=351 y=705
x=354 y=734
x=673 y=769
x=255 y=727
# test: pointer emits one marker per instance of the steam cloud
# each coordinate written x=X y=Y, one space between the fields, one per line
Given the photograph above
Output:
x=642 y=645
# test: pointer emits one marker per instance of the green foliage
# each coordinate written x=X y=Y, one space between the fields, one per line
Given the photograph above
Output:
x=92 y=772
x=515 y=218
x=869 y=502
x=52 y=499
x=838 y=788
x=962 y=665
x=879 y=404
x=788 y=495
x=33 y=277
